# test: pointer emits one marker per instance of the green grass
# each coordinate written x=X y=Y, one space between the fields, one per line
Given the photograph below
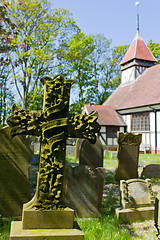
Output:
x=107 y=227
x=5 y=228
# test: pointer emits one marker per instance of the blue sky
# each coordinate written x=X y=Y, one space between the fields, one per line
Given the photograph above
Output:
x=116 y=19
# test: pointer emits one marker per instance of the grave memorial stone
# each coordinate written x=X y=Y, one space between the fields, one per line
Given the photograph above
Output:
x=137 y=201
x=157 y=215
x=128 y=154
x=15 y=156
x=83 y=190
x=78 y=146
x=151 y=170
x=46 y=215
x=91 y=154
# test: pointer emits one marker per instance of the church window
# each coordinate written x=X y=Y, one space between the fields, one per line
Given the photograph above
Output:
x=140 y=122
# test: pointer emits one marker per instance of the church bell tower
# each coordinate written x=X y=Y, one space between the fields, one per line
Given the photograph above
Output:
x=136 y=60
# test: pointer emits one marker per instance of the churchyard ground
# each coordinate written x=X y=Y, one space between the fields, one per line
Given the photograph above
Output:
x=107 y=227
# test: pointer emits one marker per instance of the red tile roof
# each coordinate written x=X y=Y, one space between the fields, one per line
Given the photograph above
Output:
x=107 y=116
x=145 y=91
x=138 y=50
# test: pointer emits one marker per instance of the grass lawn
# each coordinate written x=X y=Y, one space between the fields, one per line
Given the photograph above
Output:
x=107 y=227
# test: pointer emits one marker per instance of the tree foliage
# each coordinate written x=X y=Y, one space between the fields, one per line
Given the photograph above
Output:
x=96 y=68
x=6 y=35
x=36 y=41
x=38 y=30
x=155 y=49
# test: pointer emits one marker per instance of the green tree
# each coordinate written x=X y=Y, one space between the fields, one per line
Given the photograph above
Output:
x=6 y=36
x=75 y=55
x=6 y=97
x=100 y=54
x=117 y=56
x=38 y=30
x=107 y=74
x=155 y=49
x=94 y=66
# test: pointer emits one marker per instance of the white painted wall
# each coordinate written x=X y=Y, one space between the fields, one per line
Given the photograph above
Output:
x=148 y=138
x=152 y=128
x=158 y=121
x=121 y=129
x=128 y=75
x=127 y=119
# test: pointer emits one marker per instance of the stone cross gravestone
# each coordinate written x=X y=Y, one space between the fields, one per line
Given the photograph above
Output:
x=137 y=201
x=54 y=124
x=15 y=156
x=128 y=154
x=91 y=154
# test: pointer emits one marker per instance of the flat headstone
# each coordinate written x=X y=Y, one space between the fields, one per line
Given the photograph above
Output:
x=128 y=155
x=151 y=170
x=137 y=201
x=136 y=193
x=91 y=154
x=15 y=156
x=83 y=189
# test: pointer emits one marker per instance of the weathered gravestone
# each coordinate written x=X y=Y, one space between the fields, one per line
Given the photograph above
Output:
x=15 y=156
x=151 y=170
x=90 y=154
x=83 y=190
x=46 y=215
x=83 y=187
x=78 y=147
x=157 y=215
x=137 y=201
x=128 y=154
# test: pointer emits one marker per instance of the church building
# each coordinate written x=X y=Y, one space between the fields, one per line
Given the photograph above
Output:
x=135 y=105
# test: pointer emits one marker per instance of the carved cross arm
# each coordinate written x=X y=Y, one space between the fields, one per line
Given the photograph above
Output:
x=25 y=122
x=83 y=126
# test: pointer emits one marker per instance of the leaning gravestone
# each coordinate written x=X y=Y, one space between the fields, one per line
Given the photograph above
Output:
x=137 y=201
x=151 y=170
x=46 y=215
x=15 y=156
x=91 y=154
x=83 y=190
x=128 y=154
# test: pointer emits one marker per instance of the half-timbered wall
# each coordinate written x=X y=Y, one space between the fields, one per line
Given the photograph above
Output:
x=145 y=123
x=108 y=135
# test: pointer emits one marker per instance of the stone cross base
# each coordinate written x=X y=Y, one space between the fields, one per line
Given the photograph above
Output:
x=127 y=215
x=48 y=224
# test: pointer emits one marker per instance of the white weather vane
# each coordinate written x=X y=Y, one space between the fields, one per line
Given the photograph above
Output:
x=137 y=3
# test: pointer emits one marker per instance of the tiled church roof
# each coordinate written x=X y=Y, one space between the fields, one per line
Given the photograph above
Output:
x=107 y=116
x=138 y=50
x=144 y=92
